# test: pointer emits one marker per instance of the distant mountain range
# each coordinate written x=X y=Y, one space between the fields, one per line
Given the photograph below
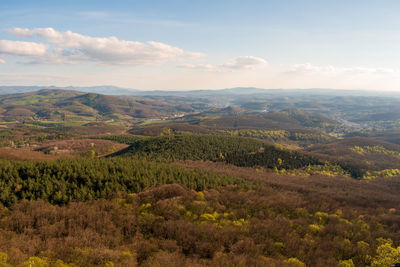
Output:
x=114 y=90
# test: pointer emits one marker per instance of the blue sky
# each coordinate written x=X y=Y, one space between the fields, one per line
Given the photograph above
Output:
x=201 y=44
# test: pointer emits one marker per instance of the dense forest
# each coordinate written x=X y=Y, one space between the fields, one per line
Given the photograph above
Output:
x=239 y=151
x=193 y=147
x=66 y=180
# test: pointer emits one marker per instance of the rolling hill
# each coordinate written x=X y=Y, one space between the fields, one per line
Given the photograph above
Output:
x=239 y=151
x=67 y=105
x=368 y=153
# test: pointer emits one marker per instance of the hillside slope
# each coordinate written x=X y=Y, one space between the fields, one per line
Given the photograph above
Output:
x=64 y=105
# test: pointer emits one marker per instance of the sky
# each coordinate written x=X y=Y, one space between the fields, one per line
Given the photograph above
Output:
x=201 y=44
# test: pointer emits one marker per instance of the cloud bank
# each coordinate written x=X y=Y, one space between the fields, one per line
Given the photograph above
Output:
x=22 y=48
x=71 y=47
x=237 y=63
x=246 y=62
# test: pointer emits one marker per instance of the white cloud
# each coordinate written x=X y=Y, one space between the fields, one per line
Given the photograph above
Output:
x=237 y=63
x=2 y=61
x=244 y=62
x=22 y=32
x=22 y=48
x=70 y=47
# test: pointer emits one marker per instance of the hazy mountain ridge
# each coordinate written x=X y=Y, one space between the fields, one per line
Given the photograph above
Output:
x=115 y=90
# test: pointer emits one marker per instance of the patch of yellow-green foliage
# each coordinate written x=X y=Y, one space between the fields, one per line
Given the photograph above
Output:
x=328 y=169
x=369 y=175
x=386 y=254
x=152 y=121
x=199 y=211
x=266 y=134
x=346 y=263
x=295 y=262
x=80 y=257
x=375 y=149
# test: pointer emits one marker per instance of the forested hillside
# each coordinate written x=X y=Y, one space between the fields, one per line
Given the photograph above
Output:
x=166 y=180
x=238 y=151
x=283 y=221
x=64 y=106
x=193 y=147
x=66 y=180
